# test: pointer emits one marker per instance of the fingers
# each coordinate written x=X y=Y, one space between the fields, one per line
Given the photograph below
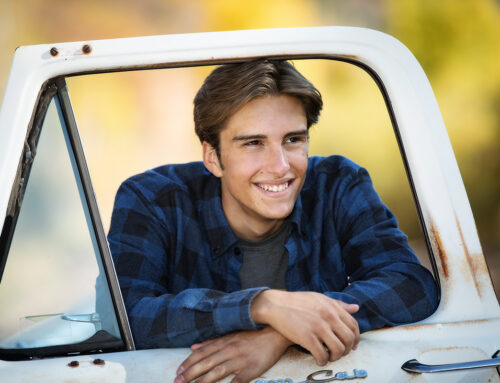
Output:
x=351 y=329
x=335 y=328
x=196 y=346
x=346 y=341
x=246 y=354
x=317 y=350
x=204 y=358
x=351 y=308
x=217 y=373
x=311 y=320
x=338 y=339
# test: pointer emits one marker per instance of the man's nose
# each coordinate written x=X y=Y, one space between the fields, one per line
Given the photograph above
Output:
x=277 y=163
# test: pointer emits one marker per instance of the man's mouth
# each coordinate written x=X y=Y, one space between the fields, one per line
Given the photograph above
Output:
x=274 y=188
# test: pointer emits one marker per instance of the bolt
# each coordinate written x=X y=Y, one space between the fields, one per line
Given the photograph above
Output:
x=73 y=363
x=99 y=362
x=54 y=51
x=86 y=49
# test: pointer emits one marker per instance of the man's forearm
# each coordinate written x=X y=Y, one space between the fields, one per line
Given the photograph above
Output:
x=247 y=354
x=179 y=320
x=322 y=325
x=392 y=295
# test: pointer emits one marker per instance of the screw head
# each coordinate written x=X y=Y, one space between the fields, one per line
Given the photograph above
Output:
x=53 y=51
x=86 y=49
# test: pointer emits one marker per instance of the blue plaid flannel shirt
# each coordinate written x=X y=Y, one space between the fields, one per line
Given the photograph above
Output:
x=178 y=260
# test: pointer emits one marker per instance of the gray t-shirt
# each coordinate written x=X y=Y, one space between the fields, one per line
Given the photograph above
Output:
x=265 y=262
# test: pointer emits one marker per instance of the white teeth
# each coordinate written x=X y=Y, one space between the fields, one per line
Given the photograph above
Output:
x=274 y=188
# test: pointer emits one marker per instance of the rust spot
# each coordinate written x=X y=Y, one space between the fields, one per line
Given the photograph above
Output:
x=99 y=362
x=448 y=324
x=217 y=61
x=73 y=364
x=473 y=264
x=86 y=49
x=352 y=57
x=439 y=244
x=54 y=52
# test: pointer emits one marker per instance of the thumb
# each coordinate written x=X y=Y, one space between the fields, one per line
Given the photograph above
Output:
x=200 y=345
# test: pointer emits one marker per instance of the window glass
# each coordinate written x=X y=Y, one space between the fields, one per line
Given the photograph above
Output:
x=53 y=290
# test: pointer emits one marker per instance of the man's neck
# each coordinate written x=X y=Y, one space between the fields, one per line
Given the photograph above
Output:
x=254 y=231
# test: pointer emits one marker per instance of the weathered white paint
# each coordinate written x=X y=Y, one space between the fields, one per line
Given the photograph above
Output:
x=381 y=353
x=467 y=293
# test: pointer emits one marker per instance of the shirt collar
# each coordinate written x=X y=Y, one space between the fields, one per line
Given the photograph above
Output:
x=220 y=235
x=297 y=217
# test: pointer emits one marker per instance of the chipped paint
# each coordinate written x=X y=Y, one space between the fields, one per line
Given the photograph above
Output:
x=477 y=265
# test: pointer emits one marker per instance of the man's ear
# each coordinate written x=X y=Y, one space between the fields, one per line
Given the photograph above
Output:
x=211 y=160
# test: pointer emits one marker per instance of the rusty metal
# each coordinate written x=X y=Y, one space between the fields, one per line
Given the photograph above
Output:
x=53 y=51
x=473 y=265
x=465 y=326
x=86 y=49
x=73 y=364
x=352 y=59
x=99 y=362
x=436 y=237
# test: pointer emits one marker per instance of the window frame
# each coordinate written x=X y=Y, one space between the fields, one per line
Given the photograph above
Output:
x=56 y=88
x=440 y=197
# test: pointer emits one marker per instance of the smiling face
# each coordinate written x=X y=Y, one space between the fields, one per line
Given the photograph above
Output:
x=262 y=165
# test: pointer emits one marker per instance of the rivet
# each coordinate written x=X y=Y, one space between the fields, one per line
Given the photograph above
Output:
x=54 y=51
x=73 y=363
x=86 y=49
x=99 y=362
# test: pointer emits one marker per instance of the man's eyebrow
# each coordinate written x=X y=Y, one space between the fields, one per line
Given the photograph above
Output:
x=298 y=133
x=263 y=136
x=249 y=137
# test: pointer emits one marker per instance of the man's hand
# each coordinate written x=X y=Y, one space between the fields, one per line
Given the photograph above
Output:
x=247 y=354
x=322 y=325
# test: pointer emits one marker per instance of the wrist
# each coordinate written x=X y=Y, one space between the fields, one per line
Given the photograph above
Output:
x=278 y=338
x=261 y=306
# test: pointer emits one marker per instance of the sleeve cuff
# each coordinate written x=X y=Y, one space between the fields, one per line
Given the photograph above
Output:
x=232 y=312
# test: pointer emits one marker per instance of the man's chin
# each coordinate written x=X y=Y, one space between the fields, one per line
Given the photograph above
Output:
x=277 y=215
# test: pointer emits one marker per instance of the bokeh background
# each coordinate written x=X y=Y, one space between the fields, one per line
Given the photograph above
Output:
x=133 y=121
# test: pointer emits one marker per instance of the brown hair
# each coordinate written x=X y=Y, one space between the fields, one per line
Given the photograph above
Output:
x=230 y=86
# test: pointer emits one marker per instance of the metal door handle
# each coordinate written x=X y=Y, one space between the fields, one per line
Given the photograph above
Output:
x=415 y=366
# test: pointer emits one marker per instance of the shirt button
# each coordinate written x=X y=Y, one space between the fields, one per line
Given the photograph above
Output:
x=237 y=251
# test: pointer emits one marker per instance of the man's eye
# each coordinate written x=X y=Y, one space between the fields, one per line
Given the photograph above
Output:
x=252 y=143
x=295 y=139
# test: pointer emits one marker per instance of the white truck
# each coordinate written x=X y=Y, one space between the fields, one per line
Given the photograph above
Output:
x=47 y=200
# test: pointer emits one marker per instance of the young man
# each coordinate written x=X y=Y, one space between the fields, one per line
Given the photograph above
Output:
x=260 y=247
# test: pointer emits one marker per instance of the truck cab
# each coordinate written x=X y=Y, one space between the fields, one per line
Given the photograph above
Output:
x=63 y=318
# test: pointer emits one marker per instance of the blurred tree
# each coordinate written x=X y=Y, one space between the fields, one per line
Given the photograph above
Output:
x=455 y=41
x=457 y=44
